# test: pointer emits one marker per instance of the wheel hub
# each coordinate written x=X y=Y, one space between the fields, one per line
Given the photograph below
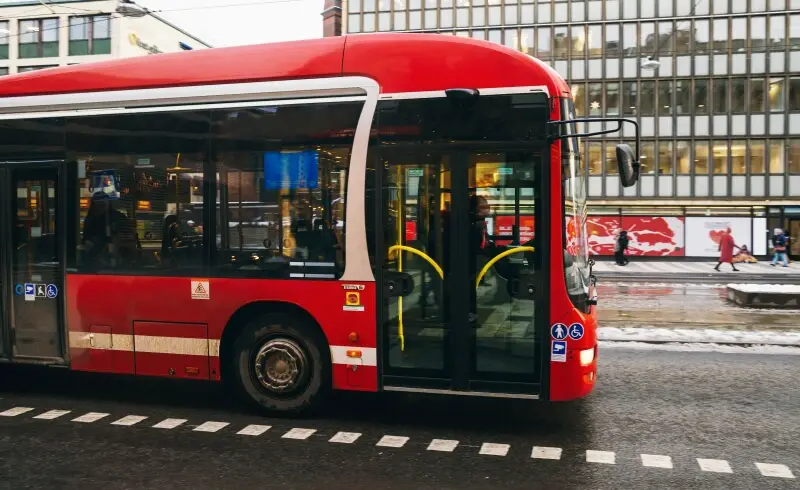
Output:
x=281 y=365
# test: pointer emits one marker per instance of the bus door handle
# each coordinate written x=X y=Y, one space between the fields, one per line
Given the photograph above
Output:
x=397 y=284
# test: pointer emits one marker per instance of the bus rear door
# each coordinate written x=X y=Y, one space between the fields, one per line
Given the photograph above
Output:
x=31 y=261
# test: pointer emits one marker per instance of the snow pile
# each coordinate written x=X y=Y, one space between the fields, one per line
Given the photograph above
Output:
x=766 y=288
x=699 y=335
x=695 y=347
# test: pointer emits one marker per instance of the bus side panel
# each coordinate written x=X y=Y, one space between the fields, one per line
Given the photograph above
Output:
x=570 y=380
x=160 y=325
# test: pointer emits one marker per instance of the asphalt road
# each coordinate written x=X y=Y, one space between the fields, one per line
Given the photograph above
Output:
x=742 y=409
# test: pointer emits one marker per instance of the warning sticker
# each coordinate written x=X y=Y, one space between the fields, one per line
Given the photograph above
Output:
x=352 y=301
x=200 y=289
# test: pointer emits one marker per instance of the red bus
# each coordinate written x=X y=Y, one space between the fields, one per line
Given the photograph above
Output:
x=394 y=212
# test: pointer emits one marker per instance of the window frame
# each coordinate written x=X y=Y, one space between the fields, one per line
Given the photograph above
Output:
x=40 y=42
x=89 y=21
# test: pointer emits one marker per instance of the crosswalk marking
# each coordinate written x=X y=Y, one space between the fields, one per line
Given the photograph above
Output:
x=298 y=433
x=129 y=420
x=254 y=430
x=169 y=423
x=443 y=445
x=210 y=426
x=90 y=417
x=52 y=414
x=775 y=470
x=603 y=457
x=13 y=412
x=656 y=461
x=392 y=441
x=714 y=465
x=541 y=452
x=345 y=437
x=494 y=449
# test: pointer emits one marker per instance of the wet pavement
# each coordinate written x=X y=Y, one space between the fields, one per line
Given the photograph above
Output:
x=684 y=305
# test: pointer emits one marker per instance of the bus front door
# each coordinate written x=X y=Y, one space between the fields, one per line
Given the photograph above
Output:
x=31 y=264
x=460 y=298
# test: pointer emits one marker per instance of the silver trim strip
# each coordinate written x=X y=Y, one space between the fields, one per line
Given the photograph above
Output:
x=484 y=91
x=175 y=108
x=219 y=93
x=485 y=394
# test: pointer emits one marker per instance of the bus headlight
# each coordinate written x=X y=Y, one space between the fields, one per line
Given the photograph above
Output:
x=587 y=356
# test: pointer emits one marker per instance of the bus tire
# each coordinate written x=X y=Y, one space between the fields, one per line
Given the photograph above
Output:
x=282 y=364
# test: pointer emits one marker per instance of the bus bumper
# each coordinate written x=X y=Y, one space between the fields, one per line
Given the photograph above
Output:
x=576 y=377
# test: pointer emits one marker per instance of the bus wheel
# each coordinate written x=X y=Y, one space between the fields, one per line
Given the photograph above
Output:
x=282 y=364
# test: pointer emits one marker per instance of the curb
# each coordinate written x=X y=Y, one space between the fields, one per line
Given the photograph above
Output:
x=701 y=278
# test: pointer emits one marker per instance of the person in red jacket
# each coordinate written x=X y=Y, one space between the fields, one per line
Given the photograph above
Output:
x=726 y=246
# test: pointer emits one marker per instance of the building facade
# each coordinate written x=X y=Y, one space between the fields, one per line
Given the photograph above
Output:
x=36 y=35
x=719 y=115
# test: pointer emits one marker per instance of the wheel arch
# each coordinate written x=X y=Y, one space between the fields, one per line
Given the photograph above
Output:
x=246 y=313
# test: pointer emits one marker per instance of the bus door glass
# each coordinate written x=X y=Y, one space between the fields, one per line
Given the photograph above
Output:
x=32 y=266
x=502 y=218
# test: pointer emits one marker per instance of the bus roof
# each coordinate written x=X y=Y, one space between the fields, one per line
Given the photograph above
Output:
x=399 y=62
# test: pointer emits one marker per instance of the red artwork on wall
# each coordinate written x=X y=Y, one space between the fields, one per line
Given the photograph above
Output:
x=655 y=236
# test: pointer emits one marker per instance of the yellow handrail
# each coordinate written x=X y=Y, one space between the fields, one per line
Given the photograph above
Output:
x=392 y=249
x=414 y=251
x=498 y=257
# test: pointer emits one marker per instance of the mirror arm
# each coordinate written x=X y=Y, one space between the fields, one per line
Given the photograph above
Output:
x=556 y=132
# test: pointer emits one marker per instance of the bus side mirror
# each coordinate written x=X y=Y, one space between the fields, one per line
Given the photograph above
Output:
x=628 y=166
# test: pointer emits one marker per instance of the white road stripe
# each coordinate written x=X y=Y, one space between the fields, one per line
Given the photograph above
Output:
x=443 y=445
x=52 y=414
x=210 y=426
x=656 y=461
x=13 y=412
x=494 y=449
x=541 y=452
x=345 y=437
x=129 y=420
x=169 y=423
x=298 y=433
x=603 y=457
x=775 y=470
x=90 y=417
x=714 y=465
x=392 y=441
x=254 y=430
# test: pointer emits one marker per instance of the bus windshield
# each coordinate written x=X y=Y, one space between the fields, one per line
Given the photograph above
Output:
x=576 y=250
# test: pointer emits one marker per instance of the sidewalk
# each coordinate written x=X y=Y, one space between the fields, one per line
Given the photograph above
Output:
x=688 y=271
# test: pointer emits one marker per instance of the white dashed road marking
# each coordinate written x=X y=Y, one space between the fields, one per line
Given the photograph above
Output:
x=775 y=470
x=540 y=452
x=392 y=441
x=52 y=414
x=714 y=465
x=90 y=417
x=443 y=445
x=129 y=420
x=210 y=426
x=254 y=430
x=345 y=437
x=771 y=470
x=169 y=423
x=494 y=449
x=656 y=461
x=604 y=457
x=13 y=412
x=297 y=433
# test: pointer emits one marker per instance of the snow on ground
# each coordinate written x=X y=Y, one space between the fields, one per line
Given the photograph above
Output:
x=703 y=347
x=699 y=335
x=766 y=288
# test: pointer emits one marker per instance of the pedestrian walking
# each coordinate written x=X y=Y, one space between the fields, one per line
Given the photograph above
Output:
x=779 y=243
x=620 y=246
x=726 y=246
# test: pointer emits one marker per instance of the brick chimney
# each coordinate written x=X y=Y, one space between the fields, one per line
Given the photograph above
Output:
x=332 y=18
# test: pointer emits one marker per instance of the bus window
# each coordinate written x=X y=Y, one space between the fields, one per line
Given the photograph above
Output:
x=282 y=176
x=139 y=191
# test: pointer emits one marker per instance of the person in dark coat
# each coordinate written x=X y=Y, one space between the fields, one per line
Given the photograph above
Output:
x=726 y=246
